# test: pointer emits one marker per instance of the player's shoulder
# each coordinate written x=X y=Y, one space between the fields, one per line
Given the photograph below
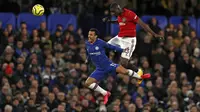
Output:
x=86 y=42
x=100 y=40
x=128 y=11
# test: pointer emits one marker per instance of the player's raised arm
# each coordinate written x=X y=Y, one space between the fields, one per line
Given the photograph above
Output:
x=148 y=29
x=106 y=19
x=111 y=47
x=88 y=58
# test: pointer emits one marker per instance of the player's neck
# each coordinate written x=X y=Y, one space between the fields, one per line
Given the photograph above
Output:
x=93 y=41
x=121 y=12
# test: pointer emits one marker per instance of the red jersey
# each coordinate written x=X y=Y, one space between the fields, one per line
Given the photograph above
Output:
x=127 y=23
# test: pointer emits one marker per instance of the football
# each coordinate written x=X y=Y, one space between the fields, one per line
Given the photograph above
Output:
x=38 y=10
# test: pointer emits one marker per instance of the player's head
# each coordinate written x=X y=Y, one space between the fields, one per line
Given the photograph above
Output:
x=92 y=35
x=115 y=9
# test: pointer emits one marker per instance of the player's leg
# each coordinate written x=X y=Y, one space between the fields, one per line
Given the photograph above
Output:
x=115 y=41
x=129 y=44
x=118 y=41
x=120 y=69
x=125 y=63
x=92 y=79
x=91 y=83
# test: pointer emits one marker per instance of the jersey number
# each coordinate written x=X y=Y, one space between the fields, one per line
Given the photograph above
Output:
x=127 y=51
x=113 y=64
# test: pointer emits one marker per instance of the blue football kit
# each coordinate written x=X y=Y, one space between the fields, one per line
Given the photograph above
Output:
x=96 y=54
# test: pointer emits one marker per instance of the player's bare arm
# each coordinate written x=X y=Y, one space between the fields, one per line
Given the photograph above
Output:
x=148 y=29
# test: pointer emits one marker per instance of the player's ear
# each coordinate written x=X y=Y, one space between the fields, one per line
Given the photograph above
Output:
x=119 y=7
x=96 y=36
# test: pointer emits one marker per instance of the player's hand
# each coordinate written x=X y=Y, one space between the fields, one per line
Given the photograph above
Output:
x=159 y=37
x=106 y=19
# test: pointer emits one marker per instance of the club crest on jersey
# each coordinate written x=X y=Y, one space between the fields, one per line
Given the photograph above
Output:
x=123 y=22
x=96 y=48
x=124 y=19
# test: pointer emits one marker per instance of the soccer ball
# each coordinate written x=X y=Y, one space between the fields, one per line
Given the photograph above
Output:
x=38 y=10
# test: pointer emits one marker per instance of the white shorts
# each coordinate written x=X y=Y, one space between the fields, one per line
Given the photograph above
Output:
x=124 y=42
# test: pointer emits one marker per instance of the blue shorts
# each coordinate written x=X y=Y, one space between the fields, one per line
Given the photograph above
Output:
x=100 y=74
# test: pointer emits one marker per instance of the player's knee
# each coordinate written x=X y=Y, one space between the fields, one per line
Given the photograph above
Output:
x=87 y=83
x=124 y=62
x=133 y=67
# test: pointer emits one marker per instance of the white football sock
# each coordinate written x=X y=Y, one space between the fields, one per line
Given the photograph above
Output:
x=133 y=74
x=97 y=88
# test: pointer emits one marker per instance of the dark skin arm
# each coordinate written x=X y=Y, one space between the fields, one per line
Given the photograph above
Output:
x=141 y=23
x=148 y=29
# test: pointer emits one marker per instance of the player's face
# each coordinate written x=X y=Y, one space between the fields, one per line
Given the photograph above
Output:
x=91 y=36
x=115 y=11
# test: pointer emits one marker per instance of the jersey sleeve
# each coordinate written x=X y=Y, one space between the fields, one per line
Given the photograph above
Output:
x=87 y=54
x=133 y=16
x=111 y=47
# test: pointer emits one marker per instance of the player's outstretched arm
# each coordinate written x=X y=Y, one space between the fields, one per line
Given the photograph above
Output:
x=88 y=57
x=148 y=29
x=111 y=47
x=106 y=19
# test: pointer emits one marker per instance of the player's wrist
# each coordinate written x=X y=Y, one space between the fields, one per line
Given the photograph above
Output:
x=154 y=34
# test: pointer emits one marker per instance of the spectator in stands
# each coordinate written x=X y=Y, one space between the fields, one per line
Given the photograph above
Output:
x=56 y=38
x=8 y=108
x=23 y=25
x=186 y=26
x=17 y=107
x=153 y=24
x=194 y=108
x=42 y=29
x=10 y=29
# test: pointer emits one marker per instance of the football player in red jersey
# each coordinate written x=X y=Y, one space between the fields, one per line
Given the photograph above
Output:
x=126 y=37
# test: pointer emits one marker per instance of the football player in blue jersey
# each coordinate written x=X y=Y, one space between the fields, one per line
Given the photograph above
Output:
x=96 y=54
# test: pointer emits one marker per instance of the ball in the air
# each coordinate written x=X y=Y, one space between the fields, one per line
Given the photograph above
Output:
x=38 y=10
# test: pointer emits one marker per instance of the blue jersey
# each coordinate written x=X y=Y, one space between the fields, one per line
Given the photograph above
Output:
x=96 y=53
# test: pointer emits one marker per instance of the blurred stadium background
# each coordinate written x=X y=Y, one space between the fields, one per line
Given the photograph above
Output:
x=42 y=58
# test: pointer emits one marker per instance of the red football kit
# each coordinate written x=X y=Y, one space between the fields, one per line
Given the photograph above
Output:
x=127 y=23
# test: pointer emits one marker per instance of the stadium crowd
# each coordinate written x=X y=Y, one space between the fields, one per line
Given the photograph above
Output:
x=44 y=72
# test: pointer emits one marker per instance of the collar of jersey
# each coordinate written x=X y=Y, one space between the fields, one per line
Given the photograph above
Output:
x=94 y=42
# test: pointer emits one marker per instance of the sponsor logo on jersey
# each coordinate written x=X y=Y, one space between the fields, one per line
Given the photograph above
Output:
x=123 y=22
x=96 y=48
x=123 y=19
x=95 y=53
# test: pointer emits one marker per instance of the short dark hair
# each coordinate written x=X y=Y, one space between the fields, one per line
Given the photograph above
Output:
x=23 y=22
x=114 y=5
x=95 y=30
